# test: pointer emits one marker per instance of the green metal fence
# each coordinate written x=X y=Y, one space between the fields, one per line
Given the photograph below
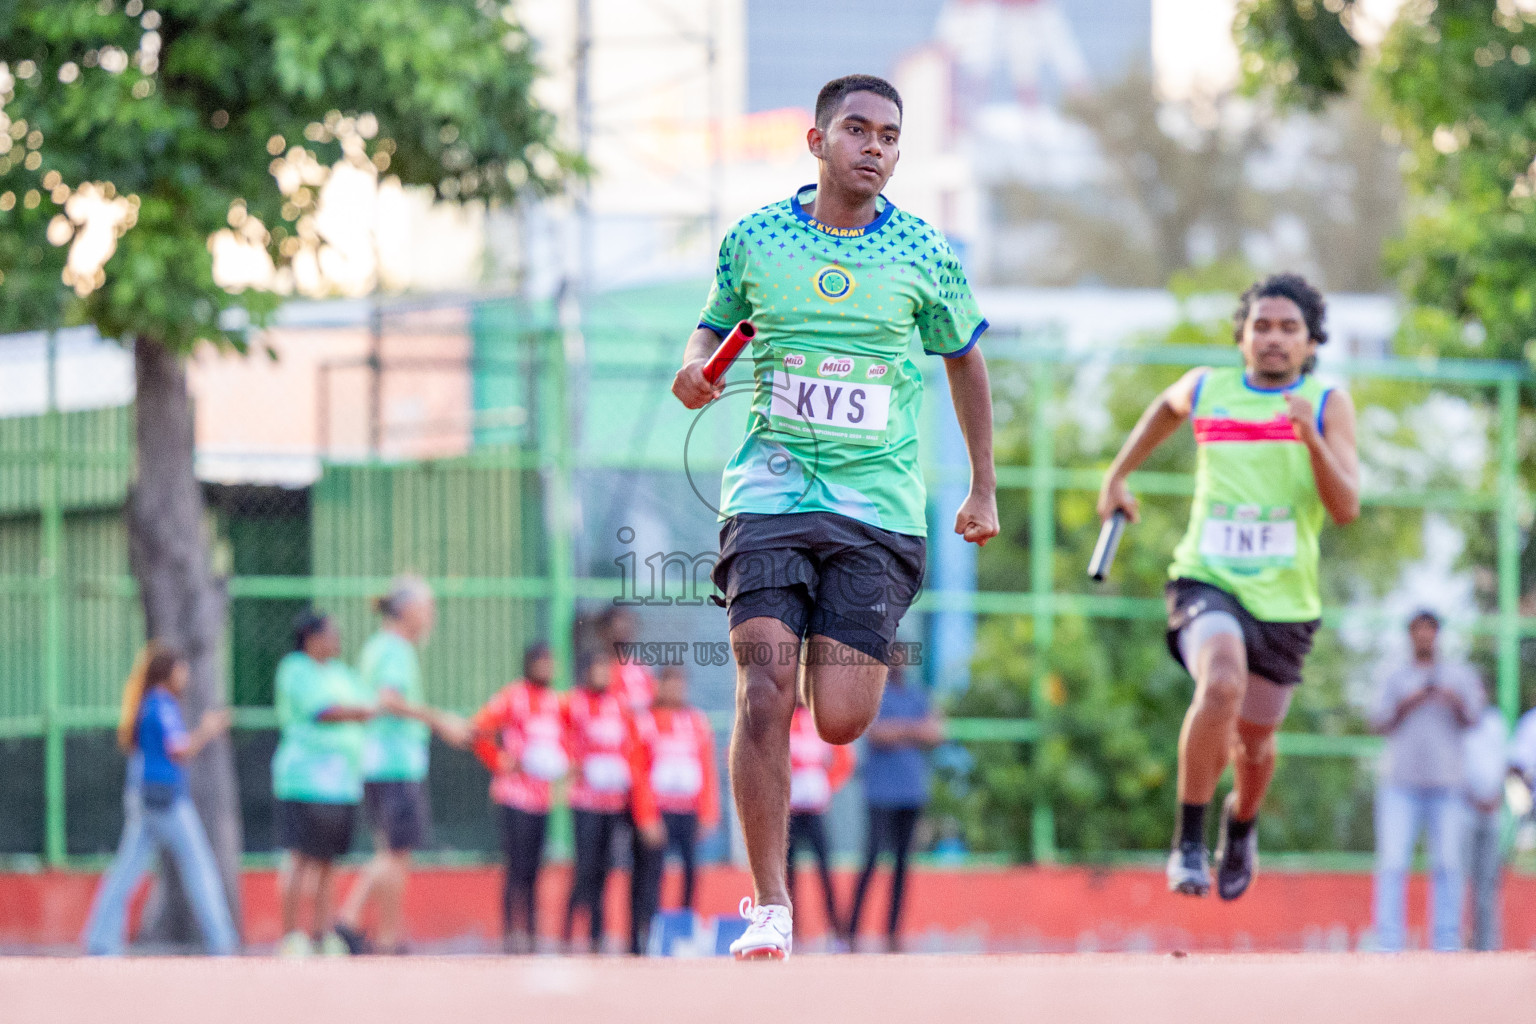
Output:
x=1046 y=600
x=512 y=536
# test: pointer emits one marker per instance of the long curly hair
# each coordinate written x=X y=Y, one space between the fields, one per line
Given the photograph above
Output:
x=151 y=668
x=1285 y=286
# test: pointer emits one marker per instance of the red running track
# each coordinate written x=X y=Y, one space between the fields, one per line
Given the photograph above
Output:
x=1006 y=909
x=1084 y=989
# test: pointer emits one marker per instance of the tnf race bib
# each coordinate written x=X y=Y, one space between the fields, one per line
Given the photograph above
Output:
x=677 y=776
x=809 y=788
x=606 y=773
x=831 y=397
x=544 y=760
x=1249 y=536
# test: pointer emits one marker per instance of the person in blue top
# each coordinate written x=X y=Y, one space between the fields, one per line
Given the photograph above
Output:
x=159 y=811
x=895 y=776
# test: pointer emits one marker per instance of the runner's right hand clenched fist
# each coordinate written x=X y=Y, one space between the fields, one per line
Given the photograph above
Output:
x=691 y=387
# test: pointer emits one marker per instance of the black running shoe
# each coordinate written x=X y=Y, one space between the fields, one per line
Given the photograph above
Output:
x=1189 y=870
x=357 y=942
x=1236 y=862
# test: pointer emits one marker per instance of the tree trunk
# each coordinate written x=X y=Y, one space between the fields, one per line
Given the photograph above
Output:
x=169 y=550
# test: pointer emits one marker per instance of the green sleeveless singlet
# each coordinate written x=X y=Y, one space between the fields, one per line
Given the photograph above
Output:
x=1256 y=516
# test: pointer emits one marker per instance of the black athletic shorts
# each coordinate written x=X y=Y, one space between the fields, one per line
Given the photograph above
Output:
x=320 y=831
x=821 y=574
x=399 y=810
x=1276 y=650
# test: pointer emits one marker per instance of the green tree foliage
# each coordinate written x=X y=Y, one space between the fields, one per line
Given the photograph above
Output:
x=1162 y=188
x=1222 y=180
x=1455 y=82
x=187 y=109
x=1302 y=48
x=133 y=137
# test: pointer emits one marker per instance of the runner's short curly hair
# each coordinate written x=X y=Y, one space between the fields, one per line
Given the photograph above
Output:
x=1284 y=286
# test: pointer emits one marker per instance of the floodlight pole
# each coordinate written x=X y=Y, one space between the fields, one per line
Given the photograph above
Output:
x=583 y=194
x=1509 y=549
x=50 y=495
x=1042 y=554
x=375 y=376
x=716 y=117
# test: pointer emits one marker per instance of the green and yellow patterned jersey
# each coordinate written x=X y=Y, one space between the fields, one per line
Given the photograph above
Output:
x=1256 y=517
x=833 y=424
x=317 y=762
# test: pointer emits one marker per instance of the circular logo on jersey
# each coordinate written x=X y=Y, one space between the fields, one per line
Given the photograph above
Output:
x=833 y=283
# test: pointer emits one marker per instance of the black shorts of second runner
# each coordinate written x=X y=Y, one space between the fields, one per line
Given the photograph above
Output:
x=1276 y=650
x=315 y=830
x=821 y=574
x=400 y=812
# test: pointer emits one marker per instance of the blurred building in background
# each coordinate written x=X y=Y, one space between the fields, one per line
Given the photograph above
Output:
x=410 y=408
x=984 y=83
x=693 y=113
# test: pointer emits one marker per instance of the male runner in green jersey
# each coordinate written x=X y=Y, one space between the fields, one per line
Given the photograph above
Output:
x=1276 y=453
x=824 y=505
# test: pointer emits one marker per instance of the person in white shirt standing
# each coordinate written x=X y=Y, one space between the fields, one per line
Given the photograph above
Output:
x=1423 y=708
x=1522 y=764
x=1487 y=764
x=1522 y=750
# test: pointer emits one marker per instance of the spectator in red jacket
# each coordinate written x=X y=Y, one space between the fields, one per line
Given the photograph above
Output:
x=632 y=683
x=520 y=736
x=817 y=770
x=610 y=788
x=679 y=755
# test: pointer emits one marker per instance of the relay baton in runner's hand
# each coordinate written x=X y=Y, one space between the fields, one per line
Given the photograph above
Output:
x=1104 y=550
x=739 y=338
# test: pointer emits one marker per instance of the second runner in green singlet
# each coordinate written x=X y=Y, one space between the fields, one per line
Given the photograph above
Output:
x=1276 y=457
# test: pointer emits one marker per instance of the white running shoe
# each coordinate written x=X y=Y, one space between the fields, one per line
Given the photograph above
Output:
x=295 y=944
x=768 y=937
x=332 y=944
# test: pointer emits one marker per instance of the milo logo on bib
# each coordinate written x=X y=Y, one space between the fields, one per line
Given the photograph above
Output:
x=835 y=401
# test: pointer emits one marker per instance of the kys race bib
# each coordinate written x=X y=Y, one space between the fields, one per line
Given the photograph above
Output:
x=1249 y=536
x=831 y=397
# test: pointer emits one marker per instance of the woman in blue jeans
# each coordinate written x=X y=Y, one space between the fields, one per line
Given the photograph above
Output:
x=159 y=813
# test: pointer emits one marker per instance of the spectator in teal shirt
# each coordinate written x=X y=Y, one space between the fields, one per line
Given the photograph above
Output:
x=317 y=777
x=395 y=745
